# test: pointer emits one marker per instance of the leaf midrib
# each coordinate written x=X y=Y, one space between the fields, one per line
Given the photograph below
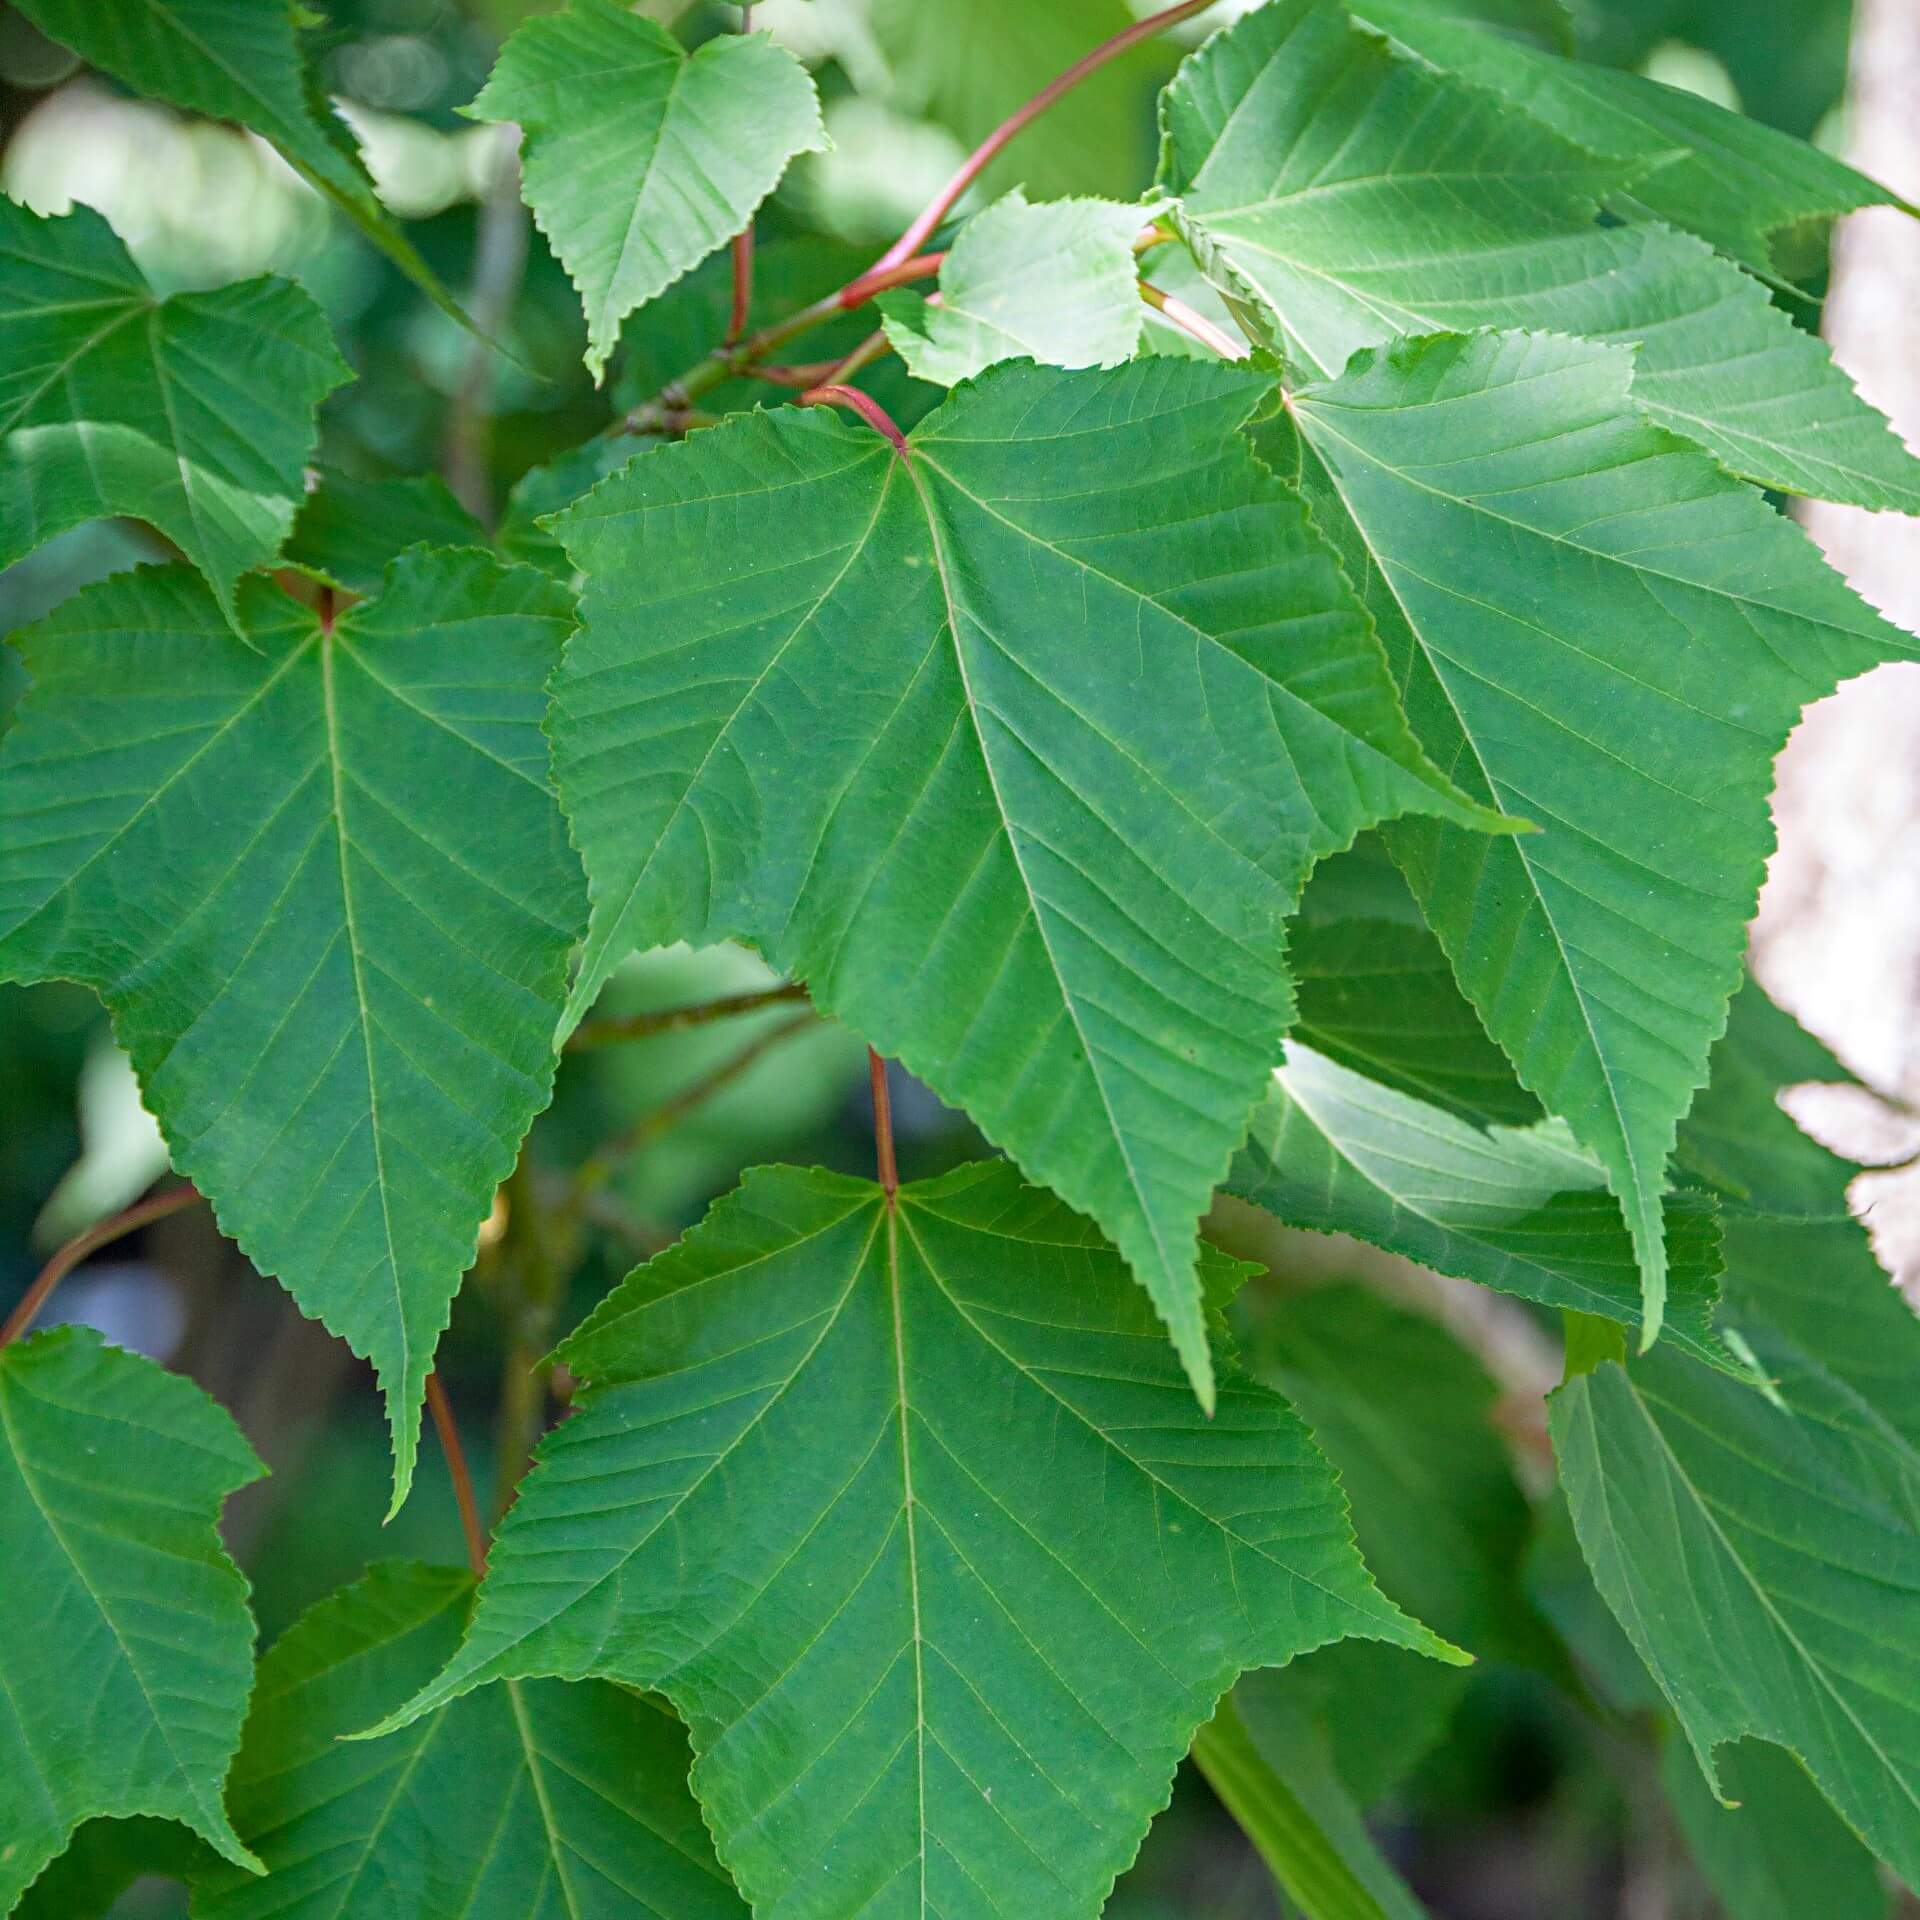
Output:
x=336 y=764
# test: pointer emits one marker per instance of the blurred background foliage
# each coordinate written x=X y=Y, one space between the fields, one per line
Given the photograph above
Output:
x=1531 y=1804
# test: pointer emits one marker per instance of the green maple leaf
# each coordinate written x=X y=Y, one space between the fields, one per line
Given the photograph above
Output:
x=1729 y=179
x=1423 y=205
x=530 y=1801
x=194 y=413
x=1054 y=282
x=322 y=883
x=237 y=60
x=1600 y=631
x=639 y=158
x=906 y=1506
x=1764 y=1559
x=112 y=1475
x=1016 y=744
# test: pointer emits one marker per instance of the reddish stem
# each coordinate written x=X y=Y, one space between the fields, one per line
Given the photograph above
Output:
x=883 y=1125
x=100 y=1234
x=864 y=404
x=882 y=280
x=457 y=1472
x=742 y=244
x=984 y=154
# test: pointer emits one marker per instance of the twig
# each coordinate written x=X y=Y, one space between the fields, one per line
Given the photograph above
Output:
x=644 y=1026
x=977 y=162
x=598 y=1168
x=883 y=1126
x=101 y=1233
x=458 y=1474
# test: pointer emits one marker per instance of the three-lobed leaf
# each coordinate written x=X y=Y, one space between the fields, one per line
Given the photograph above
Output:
x=1355 y=195
x=194 y=413
x=638 y=158
x=321 y=881
x=1597 y=630
x=907 y=1506
x=112 y=1476
x=533 y=1800
x=1015 y=743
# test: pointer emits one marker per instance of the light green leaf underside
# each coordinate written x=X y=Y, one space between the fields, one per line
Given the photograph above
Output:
x=1378 y=997
x=112 y=1475
x=1779 y=1853
x=194 y=413
x=1728 y=179
x=325 y=889
x=1016 y=748
x=237 y=60
x=800 y=1498
x=639 y=159
x=1359 y=195
x=1520 y=1209
x=535 y=1800
x=1287 y=1799
x=1054 y=283
x=350 y=531
x=1597 y=630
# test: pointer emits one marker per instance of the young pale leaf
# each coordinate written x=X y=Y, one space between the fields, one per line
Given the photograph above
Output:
x=112 y=1474
x=194 y=413
x=322 y=883
x=639 y=159
x=1378 y=997
x=1521 y=1209
x=908 y=1508
x=1054 y=283
x=1731 y=180
x=1769 y=1584
x=1016 y=744
x=237 y=60
x=529 y=1801
x=1288 y=1800
x=1419 y=204
x=1596 y=629
x=350 y=531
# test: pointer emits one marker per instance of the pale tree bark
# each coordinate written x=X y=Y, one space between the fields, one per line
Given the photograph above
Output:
x=1837 y=941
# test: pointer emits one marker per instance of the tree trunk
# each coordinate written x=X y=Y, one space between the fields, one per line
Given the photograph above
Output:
x=1837 y=941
